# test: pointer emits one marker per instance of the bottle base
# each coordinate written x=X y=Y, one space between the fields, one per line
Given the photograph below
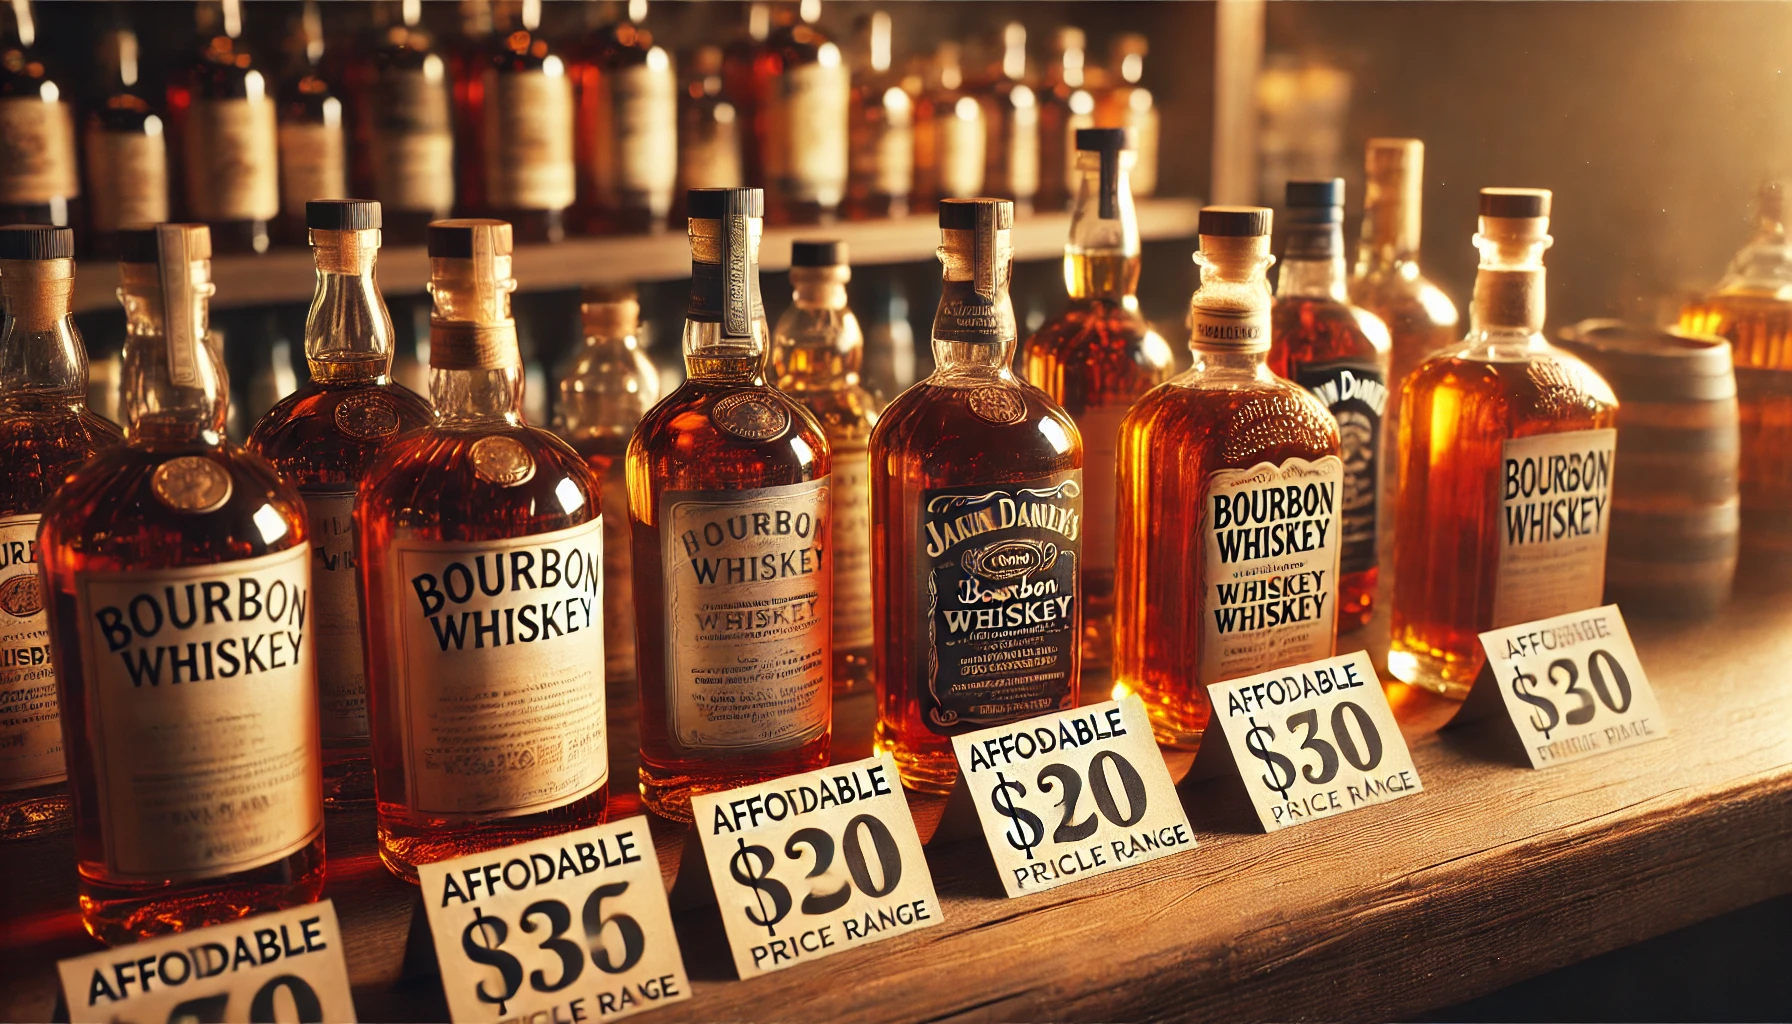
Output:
x=119 y=913
x=668 y=793
x=408 y=840
x=924 y=771
x=1441 y=675
x=35 y=812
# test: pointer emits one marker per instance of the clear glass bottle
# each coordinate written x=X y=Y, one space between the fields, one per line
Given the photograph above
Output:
x=1065 y=107
x=224 y=117
x=39 y=182
x=977 y=511
x=312 y=132
x=728 y=484
x=1506 y=446
x=46 y=433
x=709 y=128
x=882 y=127
x=127 y=148
x=523 y=112
x=1340 y=353
x=174 y=559
x=1217 y=578
x=1012 y=152
x=1098 y=356
x=407 y=127
x=627 y=127
x=803 y=94
x=321 y=439
x=817 y=349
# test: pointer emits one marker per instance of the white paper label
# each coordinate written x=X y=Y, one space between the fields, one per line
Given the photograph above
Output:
x=30 y=726
x=501 y=679
x=1312 y=741
x=341 y=672
x=1555 y=516
x=528 y=141
x=1572 y=685
x=709 y=152
x=637 y=129
x=961 y=144
x=286 y=965
x=851 y=477
x=413 y=142
x=129 y=173
x=202 y=708
x=1270 y=535
x=312 y=164
x=1100 y=427
x=808 y=157
x=814 y=864
x=37 y=151
x=232 y=163
x=748 y=576
x=571 y=928
x=1246 y=330
x=1072 y=794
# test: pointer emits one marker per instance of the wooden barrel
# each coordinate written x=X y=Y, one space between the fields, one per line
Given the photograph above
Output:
x=1676 y=515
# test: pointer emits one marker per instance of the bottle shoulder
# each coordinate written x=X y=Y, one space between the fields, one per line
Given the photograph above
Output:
x=1403 y=300
x=1237 y=415
x=709 y=435
x=447 y=484
x=1307 y=329
x=326 y=434
x=1001 y=426
x=1537 y=381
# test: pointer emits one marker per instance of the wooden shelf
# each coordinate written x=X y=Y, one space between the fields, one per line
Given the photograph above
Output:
x=1493 y=874
x=286 y=275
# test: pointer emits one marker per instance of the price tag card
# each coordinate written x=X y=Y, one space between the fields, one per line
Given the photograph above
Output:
x=282 y=966
x=1072 y=794
x=570 y=928
x=813 y=864
x=1570 y=685
x=1308 y=741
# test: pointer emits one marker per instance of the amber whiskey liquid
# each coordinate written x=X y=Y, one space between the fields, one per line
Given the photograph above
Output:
x=729 y=488
x=225 y=139
x=976 y=529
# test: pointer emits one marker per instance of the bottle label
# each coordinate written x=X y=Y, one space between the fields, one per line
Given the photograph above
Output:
x=30 y=725
x=709 y=153
x=962 y=141
x=341 y=673
x=413 y=143
x=637 y=133
x=1357 y=395
x=807 y=156
x=501 y=688
x=129 y=174
x=528 y=141
x=233 y=167
x=37 y=152
x=202 y=715
x=998 y=580
x=1100 y=427
x=966 y=316
x=852 y=546
x=1269 y=593
x=1555 y=516
x=312 y=165
x=883 y=153
x=747 y=586
x=1243 y=330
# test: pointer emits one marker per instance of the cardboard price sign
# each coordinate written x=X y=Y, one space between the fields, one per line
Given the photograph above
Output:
x=809 y=865
x=1571 y=686
x=1309 y=741
x=282 y=966
x=569 y=928
x=1072 y=794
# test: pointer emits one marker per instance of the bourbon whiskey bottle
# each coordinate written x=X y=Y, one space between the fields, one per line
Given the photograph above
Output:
x=176 y=572
x=1013 y=123
x=126 y=146
x=1098 y=356
x=1340 y=353
x=38 y=180
x=520 y=100
x=803 y=93
x=406 y=126
x=312 y=131
x=882 y=128
x=46 y=433
x=817 y=349
x=321 y=439
x=710 y=127
x=729 y=506
x=1229 y=517
x=977 y=514
x=1506 y=447
x=1065 y=107
x=950 y=133
x=627 y=127
x=481 y=564
x=224 y=123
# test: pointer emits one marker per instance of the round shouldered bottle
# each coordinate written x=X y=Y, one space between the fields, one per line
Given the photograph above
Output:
x=126 y=147
x=223 y=110
x=804 y=91
x=39 y=183
x=627 y=127
x=520 y=98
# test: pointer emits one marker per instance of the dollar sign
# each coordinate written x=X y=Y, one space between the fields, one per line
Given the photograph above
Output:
x=1543 y=714
x=482 y=952
x=742 y=867
x=1026 y=831
x=1257 y=741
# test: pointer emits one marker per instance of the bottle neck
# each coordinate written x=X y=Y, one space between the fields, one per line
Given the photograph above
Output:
x=725 y=332
x=972 y=332
x=348 y=331
x=1101 y=259
x=175 y=390
x=1218 y=362
x=1313 y=266
x=1229 y=312
x=1509 y=285
x=476 y=368
x=818 y=345
x=41 y=355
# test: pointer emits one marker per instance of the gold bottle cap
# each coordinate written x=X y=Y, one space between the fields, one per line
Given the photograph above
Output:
x=470 y=277
x=173 y=261
x=977 y=242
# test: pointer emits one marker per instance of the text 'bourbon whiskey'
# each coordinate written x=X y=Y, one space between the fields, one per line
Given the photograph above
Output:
x=729 y=498
x=1231 y=500
x=976 y=523
x=1506 y=447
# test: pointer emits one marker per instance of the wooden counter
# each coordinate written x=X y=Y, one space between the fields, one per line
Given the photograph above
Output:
x=1494 y=873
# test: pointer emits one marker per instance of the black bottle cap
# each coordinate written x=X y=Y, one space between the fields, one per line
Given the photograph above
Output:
x=36 y=242
x=1317 y=202
x=453 y=239
x=1102 y=140
x=961 y=214
x=144 y=244
x=1515 y=202
x=811 y=252
x=342 y=214
x=716 y=203
x=1234 y=221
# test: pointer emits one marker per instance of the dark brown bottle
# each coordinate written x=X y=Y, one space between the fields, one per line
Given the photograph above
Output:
x=223 y=110
x=38 y=180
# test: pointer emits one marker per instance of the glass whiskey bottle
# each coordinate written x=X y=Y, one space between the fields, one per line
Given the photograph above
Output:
x=1065 y=107
x=1229 y=516
x=1098 y=356
x=39 y=183
x=627 y=127
x=882 y=132
x=176 y=571
x=951 y=136
x=1125 y=103
x=1506 y=447
x=803 y=94
x=312 y=131
x=1012 y=121
x=977 y=513
x=406 y=128
x=223 y=110
x=710 y=127
x=481 y=561
x=321 y=439
x=46 y=433
x=1340 y=353
x=126 y=146
x=729 y=509
x=520 y=101
x=607 y=387
x=817 y=349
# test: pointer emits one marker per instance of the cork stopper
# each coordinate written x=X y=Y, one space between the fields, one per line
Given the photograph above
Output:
x=342 y=215
x=976 y=243
x=344 y=233
x=172 y=263
x=1230 y=310
x=807 y=252
x=36 y=242
x=1233 y=222
x=470 y=279
x=610 y=311
x=37 y=274
x=1393 y=193
x=1509 y=286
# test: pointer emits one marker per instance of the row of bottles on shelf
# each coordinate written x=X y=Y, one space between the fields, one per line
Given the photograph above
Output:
x=587 y=125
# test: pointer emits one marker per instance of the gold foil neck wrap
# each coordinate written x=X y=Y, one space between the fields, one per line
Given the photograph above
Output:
x=959 y=253
x=1512 y=298
x=460 y=345
x=344 y=252
x=706 y=238
x=38 y=293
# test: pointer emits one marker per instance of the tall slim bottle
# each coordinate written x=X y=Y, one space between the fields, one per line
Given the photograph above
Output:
x=951 y=133
x=521 y=105
x=728 y=485
x=408 y=123
x=710 y=128
x=176 y=571
x=1128 y=104
x=127 y=148
x=39 y=183
x=224 y=118
x=803 y=93
x=312 y=132
x=1065 y=107
x=627 y=127
x=1013 y=124
x=882 y=127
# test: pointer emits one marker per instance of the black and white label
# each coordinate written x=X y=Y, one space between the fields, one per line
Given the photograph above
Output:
x=747 y=585
x=1555 y=515
x=1357 y=395
x=341 y=672
x=501 y=685
x=30 y=725
x=998 y=586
